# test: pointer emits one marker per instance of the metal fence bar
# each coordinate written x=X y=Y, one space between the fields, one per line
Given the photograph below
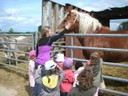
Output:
x=33 y=42
x=115 y=92
x=61 y=42
x=15 y=34
x=16 y=67
x=8 y=50
x=98 y=35
x=58 y=50
x=19 y=43
x=116 y=78
x=14 y=59
x=105 y=63
x=115 y=64
x=96 y=48
x=72 y=42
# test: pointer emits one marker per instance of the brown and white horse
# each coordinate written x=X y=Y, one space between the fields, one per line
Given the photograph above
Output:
x=86 y=24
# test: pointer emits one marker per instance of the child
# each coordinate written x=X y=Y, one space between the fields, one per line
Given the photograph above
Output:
x=68 y=80
x=59 y=59
x=50 y=83
x=31 y=70
x=96 y=63
x=85 y=87
x=78 y=67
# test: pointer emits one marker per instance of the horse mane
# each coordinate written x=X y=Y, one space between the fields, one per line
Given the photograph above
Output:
x=87 y=23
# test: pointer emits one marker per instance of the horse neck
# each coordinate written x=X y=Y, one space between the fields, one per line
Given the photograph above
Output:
x=81 y=40
x=104 y=30
x=76 y=26
x=88 y=24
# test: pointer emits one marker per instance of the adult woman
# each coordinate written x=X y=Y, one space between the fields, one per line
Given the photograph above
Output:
x=44 y=44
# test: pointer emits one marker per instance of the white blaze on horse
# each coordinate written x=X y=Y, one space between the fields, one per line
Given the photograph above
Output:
x=86 y=24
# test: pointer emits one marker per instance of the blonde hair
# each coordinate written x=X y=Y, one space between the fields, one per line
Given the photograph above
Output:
x=44 y=30
x=87 y=23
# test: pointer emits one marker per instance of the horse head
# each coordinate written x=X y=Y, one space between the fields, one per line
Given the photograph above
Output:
x=83 y=22
x=72 y=18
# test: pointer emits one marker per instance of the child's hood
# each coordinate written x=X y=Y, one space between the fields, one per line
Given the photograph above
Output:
x=68 y=76
x=50 y=81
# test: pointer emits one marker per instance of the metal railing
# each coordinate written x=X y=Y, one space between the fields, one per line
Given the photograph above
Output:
x=58 y=44
x=8 y=50
x=71 y=47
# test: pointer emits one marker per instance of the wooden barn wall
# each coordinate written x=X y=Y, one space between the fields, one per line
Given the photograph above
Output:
x=52 y=14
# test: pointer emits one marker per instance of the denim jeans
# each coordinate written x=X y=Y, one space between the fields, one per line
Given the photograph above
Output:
x=43 y=71
x=36 y=65
x=40 y=73
x=63 y=93
x=37 y=89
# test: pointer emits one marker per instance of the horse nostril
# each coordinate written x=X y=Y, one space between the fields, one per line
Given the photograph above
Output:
x=65 y=20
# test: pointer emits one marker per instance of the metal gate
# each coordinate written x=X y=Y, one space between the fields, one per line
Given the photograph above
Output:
x=11 y=47
x=72 y=47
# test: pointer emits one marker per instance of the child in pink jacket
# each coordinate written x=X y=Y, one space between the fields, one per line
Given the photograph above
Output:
x=68 y=80
x=31 y=70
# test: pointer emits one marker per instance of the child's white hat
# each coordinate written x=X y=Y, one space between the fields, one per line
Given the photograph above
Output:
x=59 y=57
x=50 y=65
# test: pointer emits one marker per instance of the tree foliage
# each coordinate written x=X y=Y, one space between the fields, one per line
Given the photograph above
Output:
x=39 y=28
x=123 y=25
x=0 y=30
x=11 y=31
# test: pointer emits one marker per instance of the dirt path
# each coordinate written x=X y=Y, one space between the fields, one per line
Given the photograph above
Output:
x=13 y=82
x=5 y=91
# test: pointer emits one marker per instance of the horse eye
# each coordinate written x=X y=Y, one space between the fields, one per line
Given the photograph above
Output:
x=65 y=20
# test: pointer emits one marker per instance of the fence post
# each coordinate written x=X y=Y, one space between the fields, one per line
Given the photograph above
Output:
x=72 y=42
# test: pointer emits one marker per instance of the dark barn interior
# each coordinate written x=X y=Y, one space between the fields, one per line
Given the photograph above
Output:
x=112 y=13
